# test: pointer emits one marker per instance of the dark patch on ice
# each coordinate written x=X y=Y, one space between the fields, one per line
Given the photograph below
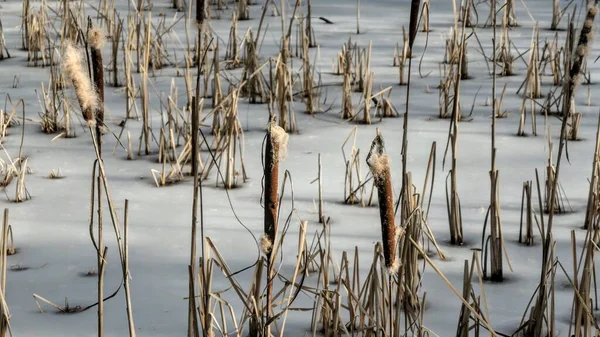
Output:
x=18 y=268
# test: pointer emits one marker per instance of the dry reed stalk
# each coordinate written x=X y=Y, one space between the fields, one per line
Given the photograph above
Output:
x=51 y=104
x=410 y=275
x=25 y=9
x=21 y=192
x=510 y=13
x=532 y=85
x=402 y=57
x=228 y=144
x=37 y=37
x=466 y=14
x=144 y=96
x=178 y=5
x=243 y=13
x=367 y=97
x=217 y=93
x=5 y=329
x=232 y=54
x=4 y=53
x=504 y=53
x=552 y=203
x=384 y=106
x=320 y=179
x=283 y=96
x=309 y=30
x=583 y=321
x=425 y=16
x=557 y=14
x=378 y=163
x=452 y=198
x=594 y=190
x=465 y=313
x=527 y=215
x=354 y=185
x=130 y=87
x=193 y=326
x=115 y=41
x=308 y=77
x=254 y=89
x=347 y=108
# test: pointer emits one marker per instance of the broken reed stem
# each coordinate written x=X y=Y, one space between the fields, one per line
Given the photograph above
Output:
x=526 y=215
x=101 y=272
x=494 y=208
x=116 y=39
x=126 y=275
x=309 y=30
x=320 y=178
x=193 y=329
x=425 y=16
x=594 y=191
x=96 y=41
x=4 y=312
x=145 y=100
x=379 y=164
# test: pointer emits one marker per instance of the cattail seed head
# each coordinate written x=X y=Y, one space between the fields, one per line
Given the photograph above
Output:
x=379 y=164
x=96 y=38
x=266 y=245
x=393 y=269
x=281 y=138
x=592 y=9
x=73 y=68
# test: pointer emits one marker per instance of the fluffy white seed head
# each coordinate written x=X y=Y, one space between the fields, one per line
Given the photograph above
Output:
x=84 y=89
x=393 y=269
x=379 y=164
x=593 y=9
x=96 y=38
x=281 y=138
x=265 y=244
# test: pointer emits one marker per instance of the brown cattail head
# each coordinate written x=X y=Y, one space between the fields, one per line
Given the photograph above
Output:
x=379 y=163
x=585 y=38
x=96 y=40
x=73 y=68
x=414 y=19
x=276 y=141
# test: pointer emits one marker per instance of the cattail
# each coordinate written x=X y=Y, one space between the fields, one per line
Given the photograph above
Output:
x=379 y=163
x=414 y=20
x=86 y=95
x=96 y=40
x=582 y=49
x=275 y=149
x=579 y=55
